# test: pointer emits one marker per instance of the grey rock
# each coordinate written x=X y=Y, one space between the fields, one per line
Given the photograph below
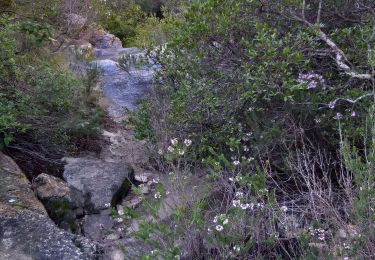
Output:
x=97 y=226
x=102 y=183
x=123 y=88
x=75 y=22
x=26 y=231
x=104 y=40
x=63 y=202
x=143 y=178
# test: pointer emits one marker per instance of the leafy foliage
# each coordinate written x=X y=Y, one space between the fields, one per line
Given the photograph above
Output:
x=266 y=91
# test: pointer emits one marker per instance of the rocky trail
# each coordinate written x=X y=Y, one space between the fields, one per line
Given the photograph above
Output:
x=90 y=203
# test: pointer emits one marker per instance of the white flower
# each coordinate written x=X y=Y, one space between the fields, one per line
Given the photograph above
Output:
x=317 y=120
x=157 y=195
x=174 y=141
x=239 y=194
x=284 y=208
x=160 y=152
x=249 y=134
x=215 y=219
x=170 y=149
x=246 y=149
x=219 y=228
x=231 y=179
x=187 y=142
x=353 y=114
x=332 y=104
x=119 y=220
x=225 y=221
x=237 y=248
x=236 y=203
x=250 y=159
x=236 y=162
x=245 y=206
x=209 y=229
x=12 y=200
x=181 y=152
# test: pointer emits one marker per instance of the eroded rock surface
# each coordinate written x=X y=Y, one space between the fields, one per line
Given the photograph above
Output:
x=64 y=203
x=26 y=231
x=102 y=183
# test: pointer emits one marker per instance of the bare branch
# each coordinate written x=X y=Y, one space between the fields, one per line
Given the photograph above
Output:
x=352 y=101
x=319 y=12
x=340 y=59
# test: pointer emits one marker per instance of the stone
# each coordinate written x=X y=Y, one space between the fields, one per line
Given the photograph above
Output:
x=113 y=236
x=26 y=231
x=115 y=254
x=133 y=202
x=75 y=22
x=104 y=40
x=349 y=231
x=97 y=226
x=63 y=203
x=143 y=178
x=102 y=183
x=120 y=210
x=145 y=189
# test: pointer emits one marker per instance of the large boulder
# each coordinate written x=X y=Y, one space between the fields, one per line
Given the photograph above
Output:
x=104 y=40
x=26 y=231
x=63 y=202
x=102 y=183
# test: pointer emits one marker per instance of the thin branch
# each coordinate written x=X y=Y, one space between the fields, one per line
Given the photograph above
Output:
x=340 y=59
x=319 y=12
x=352 y=101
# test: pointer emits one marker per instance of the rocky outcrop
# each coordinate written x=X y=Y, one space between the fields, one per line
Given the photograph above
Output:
x=64 y=203
x=26 y=231
x=102 y=183
x=104 y=40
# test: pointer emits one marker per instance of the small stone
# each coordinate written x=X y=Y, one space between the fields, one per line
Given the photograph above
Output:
x=113 y=236
x=141 y=178
x=120 y=210
x=349 y=232
x=144 y=189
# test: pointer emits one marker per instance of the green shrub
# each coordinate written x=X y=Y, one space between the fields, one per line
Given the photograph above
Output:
x=50 y=105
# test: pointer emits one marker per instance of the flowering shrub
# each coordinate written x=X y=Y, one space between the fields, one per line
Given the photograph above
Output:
x=266 y=102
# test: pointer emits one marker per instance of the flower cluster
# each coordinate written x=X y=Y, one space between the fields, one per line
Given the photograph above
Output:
x=318 y=232
x=174 y=146
x=220 y=221
x=312 y=79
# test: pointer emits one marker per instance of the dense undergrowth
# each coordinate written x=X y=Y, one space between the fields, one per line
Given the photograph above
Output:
x=271 y=103
x=47 y=109
x=277 y=99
